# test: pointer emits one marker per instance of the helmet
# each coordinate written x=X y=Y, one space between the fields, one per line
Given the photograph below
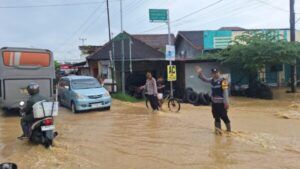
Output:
x=33 y=88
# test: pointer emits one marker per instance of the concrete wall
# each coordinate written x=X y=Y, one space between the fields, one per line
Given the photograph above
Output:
x=298 y=36
x=189 y=51
x=192 y=80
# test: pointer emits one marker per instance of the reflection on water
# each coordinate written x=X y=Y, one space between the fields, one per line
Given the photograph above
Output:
x=129 y=136
x=220 y=151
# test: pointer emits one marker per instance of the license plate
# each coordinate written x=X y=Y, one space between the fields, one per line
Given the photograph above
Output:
x=96 y=105
x=47 y=128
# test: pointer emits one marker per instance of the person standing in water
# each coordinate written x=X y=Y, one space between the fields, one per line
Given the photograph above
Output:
x=151 y=91
x=219 y=95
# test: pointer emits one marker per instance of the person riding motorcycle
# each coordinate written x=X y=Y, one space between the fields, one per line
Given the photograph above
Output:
x=33 y=90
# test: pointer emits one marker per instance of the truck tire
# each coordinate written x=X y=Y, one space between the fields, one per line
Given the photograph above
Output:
x=207 y=98
x=202 y=100
x=193 y=98
x=186 y=93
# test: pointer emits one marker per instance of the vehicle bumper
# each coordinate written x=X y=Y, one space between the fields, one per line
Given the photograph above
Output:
x=89 y=104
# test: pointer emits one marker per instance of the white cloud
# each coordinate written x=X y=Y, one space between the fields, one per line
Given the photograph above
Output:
x=57 y=28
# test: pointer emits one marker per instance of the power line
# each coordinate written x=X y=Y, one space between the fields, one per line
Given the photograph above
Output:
x=197 y=11
x=87 y=28
x=79 y=28
x=161 y=26
x=239 y=10
x=131 y=4
x=52 y=5
x=273 y=6
x=93 y=22
x=184 y=22
x=135 y=6
x=188 y=15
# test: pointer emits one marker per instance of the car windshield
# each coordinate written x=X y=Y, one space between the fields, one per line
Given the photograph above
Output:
x=85 y=84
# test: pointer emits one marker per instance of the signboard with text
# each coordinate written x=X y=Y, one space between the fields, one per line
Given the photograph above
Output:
x=172 y=76
x=170 y=52
x=158 y=15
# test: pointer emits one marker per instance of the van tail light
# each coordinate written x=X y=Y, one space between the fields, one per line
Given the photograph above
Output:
x=48 y=122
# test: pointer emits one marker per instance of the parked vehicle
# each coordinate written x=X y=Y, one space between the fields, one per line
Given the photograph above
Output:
x=20 y=66
x=82 y=93
x=42 y=130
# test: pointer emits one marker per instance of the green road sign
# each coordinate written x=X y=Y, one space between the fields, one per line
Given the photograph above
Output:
x=158 y=15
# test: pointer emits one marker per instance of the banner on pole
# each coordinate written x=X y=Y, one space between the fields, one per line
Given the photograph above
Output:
x=170 y=52
x=172 y=76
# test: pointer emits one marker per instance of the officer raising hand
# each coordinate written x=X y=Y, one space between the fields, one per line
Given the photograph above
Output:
x=219 y=95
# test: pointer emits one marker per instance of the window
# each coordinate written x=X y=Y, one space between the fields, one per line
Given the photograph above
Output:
x=104 y=72
x=26 y=59
x=85 y=84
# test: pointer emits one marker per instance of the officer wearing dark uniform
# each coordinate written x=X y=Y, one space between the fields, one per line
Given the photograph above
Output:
x=33 y=90
x=219 y=95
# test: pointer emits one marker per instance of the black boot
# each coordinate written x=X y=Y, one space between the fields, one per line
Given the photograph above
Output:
x=228 y=127
x=23 y=136
x=218 y=129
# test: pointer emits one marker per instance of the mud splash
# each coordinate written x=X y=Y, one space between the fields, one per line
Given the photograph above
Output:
x=291 y=112
x=130 y=136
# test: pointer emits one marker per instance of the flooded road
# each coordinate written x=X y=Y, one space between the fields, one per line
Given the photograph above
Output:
x=265 y=135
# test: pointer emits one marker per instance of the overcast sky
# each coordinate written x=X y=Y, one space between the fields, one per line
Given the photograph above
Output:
x=47 y=24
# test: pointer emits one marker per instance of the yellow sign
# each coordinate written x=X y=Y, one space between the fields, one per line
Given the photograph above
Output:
x=172 y=73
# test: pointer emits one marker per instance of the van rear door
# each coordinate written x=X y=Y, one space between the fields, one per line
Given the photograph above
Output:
x=15 y=90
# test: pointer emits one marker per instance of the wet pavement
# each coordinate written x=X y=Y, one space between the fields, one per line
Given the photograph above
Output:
x=265 y=135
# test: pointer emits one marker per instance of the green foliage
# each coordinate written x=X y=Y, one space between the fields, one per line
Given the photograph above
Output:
x=252 y=50
x=211 y=56
x=57 y=65
x=162 y=49
x=124 y=97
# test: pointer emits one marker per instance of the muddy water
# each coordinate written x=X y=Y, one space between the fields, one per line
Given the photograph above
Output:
x=129 y=136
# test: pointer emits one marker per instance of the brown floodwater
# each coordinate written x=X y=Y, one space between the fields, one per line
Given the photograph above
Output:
x=265 y=135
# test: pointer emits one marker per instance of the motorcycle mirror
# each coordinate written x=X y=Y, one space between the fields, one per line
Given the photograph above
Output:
x=22 y=103
x=8 y=166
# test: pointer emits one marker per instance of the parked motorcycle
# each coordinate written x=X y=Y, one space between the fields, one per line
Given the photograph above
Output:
x=41 y=131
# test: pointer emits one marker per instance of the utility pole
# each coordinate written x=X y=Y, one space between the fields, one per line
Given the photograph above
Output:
x=123 y=57
x=170 y=43
x=108 y=20
x=121 y=15
x=123 y=66
x=114 y=66
x=111 y=53
x=293 y=37
x=130 y=55
x=82 y=40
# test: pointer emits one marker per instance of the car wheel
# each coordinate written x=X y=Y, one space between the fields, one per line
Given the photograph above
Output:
x=73 y=108
x=107 y=108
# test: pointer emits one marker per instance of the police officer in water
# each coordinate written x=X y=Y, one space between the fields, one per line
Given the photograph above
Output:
x=33 y=90
x=219 y=95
